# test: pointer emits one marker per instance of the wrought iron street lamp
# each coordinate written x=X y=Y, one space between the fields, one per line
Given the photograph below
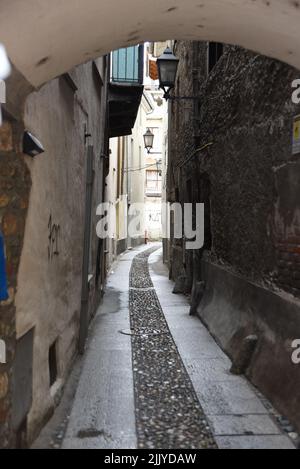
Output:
x=167 y=65
x=149 y=139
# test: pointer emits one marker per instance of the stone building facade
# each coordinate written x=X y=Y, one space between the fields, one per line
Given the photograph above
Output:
x=54 y=260
x=232 y=149
x=55 y=263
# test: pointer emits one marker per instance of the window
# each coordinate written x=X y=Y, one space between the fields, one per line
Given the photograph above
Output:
x=153 y=182
x=215 y=52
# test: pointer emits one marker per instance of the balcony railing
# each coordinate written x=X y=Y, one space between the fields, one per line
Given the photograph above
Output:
x=128 y=65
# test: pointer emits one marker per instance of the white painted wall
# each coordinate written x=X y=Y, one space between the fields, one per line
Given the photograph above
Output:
x=156 y=120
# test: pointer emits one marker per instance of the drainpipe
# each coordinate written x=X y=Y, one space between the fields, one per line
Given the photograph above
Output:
x=84 y=319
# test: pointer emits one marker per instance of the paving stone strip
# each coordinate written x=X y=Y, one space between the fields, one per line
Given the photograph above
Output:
x=168 y=413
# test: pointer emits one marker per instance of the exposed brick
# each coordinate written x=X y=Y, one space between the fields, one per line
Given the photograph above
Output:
x=7 y=172
x=9 y=225
x=4 y=200
x=6 y=329
x=11 y=298
x=6 y=137
x=24 y=203
x=4 y=411
x=3 y=385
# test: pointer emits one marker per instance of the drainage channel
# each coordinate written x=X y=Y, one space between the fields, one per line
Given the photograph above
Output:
x=168 y=412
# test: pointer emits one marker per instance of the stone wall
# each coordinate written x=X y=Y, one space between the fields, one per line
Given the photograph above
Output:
x=243 y=134
x=234 y=153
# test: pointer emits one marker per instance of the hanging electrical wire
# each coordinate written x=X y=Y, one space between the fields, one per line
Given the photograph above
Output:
x=131 y=170
x=182 y=163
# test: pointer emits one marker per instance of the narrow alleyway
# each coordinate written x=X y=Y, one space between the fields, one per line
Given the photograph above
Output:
x=153 y=377
x=123 y=123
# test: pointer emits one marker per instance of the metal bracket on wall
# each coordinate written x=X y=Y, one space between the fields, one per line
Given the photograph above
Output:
x=87 y=134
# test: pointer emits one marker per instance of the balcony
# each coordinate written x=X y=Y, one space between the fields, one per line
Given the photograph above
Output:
x=127 y=65
x=125 y=89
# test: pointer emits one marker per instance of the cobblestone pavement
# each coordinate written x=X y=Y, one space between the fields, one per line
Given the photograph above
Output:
x=168 y=412
x=154 y=377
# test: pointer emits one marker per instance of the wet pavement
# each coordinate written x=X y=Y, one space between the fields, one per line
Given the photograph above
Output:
x=153 y=376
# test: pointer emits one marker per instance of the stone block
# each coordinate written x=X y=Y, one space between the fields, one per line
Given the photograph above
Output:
x=255 y=442
x=6 y=137
x=243 y=425
x=4 y=383
x=4 y=200
x=4 y=411
x=9 y=225
x=11 y=298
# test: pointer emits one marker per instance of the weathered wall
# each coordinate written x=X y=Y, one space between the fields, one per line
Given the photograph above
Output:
x=235 y=309
x=182 y=178
x=247 y=114
x=235 y=155
x=126 y=182
x=92 y=27
x=246 y=119
x=15 y=184
x=50 y=274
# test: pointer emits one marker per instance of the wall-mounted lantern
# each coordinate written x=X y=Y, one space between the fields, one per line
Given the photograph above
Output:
x=167 y=65
x=149 y=139
x=31 y=145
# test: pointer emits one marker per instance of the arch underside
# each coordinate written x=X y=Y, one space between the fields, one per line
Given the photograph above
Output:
x=45 y=39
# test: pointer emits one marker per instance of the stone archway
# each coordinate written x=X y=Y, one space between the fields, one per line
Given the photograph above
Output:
x=46 y=39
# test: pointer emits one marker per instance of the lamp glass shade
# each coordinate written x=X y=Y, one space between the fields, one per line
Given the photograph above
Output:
x=167 y=65
x=149 y=139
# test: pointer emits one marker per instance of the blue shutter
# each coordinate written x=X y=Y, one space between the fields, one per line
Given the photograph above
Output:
x=127 y=65
x=3 y=282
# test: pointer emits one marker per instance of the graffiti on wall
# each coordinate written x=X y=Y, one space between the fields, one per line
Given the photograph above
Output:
x=53 y=239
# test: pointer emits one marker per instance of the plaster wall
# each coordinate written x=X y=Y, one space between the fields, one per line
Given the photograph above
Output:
x=50 y=275
x=73 y=31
